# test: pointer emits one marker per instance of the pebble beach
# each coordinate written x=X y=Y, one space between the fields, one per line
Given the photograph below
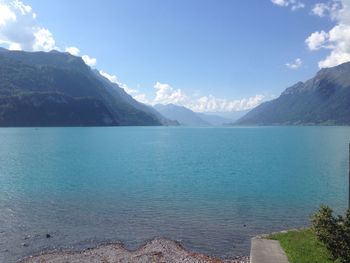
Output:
x=155 y=251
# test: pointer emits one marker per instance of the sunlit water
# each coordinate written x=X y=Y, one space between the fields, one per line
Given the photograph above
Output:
x=210 y=188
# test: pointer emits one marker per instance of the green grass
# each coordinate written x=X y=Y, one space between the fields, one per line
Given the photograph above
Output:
x=302 y=246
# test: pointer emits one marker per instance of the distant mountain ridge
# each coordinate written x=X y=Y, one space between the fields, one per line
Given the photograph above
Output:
x=183 y=115
x=187 y=117
x=213 y=119
x=59 y=89
x=322 y=100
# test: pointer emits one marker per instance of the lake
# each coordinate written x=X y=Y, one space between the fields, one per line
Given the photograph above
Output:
x=210 y=188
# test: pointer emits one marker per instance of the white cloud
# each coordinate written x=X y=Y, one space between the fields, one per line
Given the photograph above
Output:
x=6 y=15
x=295 y=64
x=44 y=40
x=297 y=5
x=293 y=4
x=338 y=38
x=320 y=9
x=15 y=46
x=20 y=30
x=23 y=9
x=330 y=8
x=166 y=94
x=111 y=78
x=316 y=40
x=280 y=2
x=89 y=60
x=142 y=98
x=212 y=104
x=73 y=51
x=114 y=79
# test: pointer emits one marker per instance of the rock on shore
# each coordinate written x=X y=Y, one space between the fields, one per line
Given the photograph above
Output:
x=155 y=251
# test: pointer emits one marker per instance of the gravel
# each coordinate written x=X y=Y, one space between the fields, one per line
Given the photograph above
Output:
x=155 y=251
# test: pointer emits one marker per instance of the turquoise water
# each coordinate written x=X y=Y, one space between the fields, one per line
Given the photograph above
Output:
x=210 y=188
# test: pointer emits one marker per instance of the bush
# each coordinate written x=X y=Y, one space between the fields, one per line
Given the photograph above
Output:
x=333 y=232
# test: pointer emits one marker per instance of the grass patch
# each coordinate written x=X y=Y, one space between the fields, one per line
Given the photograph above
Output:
x=302 y=246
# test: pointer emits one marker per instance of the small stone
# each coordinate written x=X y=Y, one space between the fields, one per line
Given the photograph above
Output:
x=48 y=235
x=24 y=244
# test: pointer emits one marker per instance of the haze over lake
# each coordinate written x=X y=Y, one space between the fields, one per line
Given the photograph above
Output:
x=211 y=188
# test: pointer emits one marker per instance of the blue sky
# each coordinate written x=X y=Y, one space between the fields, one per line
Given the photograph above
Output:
x=231 y=50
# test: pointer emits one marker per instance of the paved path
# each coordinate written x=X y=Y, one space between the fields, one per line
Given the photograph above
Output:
x=266 y=251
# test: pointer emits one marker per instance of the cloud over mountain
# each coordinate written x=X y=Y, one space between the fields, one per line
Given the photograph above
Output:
x=166 y=94
x=337 y=40
x=20 y=30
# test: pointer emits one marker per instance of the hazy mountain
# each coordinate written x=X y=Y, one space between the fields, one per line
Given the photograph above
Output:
x=181 y=114
x=229 y=116
x=214 y=119
x=324 y=99
x=188 y=117
x=58 y=89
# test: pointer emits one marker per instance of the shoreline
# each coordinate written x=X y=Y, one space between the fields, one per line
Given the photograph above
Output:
x=153 y=251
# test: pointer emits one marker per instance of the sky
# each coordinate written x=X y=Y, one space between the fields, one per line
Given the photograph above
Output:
x=208 y=55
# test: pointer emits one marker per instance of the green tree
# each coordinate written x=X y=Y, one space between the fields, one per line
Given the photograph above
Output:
x=333 y=232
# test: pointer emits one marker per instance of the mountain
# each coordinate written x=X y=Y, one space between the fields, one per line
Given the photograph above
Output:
x=222 y=118
x=58 y=89
x=213 y=119
x=232 y=115
x=322 y=100
x=181 y=114
x=187 y=117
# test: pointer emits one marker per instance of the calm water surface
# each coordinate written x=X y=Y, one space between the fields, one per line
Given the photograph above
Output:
x=210 y=188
